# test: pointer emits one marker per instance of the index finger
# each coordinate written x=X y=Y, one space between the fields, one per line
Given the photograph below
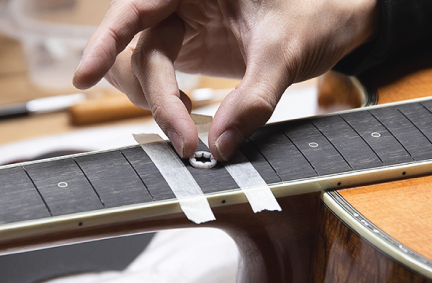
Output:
x=123 y=20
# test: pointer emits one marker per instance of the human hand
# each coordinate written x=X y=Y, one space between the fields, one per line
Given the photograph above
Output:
x=269 y=44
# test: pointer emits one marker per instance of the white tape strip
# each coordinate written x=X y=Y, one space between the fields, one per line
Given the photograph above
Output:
x=187 y=191
x=250 y=182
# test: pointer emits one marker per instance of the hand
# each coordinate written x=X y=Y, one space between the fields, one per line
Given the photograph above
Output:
x=269 y=44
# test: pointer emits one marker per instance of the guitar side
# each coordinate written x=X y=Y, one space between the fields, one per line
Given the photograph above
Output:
x=371 y=233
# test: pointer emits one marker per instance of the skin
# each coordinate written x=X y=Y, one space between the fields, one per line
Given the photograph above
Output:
x=269 y=44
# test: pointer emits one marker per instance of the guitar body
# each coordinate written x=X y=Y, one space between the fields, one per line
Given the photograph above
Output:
x=359 y=232
x=389 y=236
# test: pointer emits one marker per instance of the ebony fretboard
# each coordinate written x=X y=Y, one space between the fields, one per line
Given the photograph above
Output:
x=288 y=151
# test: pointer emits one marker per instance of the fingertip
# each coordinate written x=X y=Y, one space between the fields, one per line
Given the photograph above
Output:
x=227 y=143
x=85 y=76
x=241 y=113
x=185 y=146
x=190 y=146
x=79 y=82
x=177 y=142
x=98 y=57
x=76 y=80
x=179 y=127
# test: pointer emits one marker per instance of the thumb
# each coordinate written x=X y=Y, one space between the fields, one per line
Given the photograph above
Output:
x=246 y=109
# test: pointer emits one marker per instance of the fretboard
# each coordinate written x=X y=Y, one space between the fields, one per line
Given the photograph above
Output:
x=336 y=144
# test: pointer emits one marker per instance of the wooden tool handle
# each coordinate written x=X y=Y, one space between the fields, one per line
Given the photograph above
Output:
x=104 y=109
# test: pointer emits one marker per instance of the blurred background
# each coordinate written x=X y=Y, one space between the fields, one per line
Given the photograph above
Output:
x=41 y=43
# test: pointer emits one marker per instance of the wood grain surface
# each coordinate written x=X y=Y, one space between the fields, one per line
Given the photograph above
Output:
x=406 y=80
x=337 y=89
x=403 y=209
x=341 y=256
x=17 y=189
x=63 y=186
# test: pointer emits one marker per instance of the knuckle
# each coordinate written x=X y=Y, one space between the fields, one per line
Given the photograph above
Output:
x=138 y=100
x=136 y=60
x=157 y=111
x=263 y=103
x=136 y=13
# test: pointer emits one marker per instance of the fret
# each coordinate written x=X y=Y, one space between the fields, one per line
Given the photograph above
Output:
x=427 y=104
x=149 y=174
x=420 y=117
x=281 y=154
x=215 y=180
x=315 y=147
x=382 y=142
x=348 y=143
x=259 y=163
x=113 y=178
x=63 y=186
x=405 y=131
x=19 y=199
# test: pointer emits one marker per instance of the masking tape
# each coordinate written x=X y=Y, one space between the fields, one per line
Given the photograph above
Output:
x=257 y=191
x=192 y=200
x=202 y=123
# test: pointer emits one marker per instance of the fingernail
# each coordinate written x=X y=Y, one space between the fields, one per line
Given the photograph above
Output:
x=227 y=143
x=177 y=142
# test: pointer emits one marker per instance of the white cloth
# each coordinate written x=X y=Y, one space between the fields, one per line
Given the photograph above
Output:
x=183 y=256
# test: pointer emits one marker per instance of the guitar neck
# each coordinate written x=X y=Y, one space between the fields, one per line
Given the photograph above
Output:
x=95 y=191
